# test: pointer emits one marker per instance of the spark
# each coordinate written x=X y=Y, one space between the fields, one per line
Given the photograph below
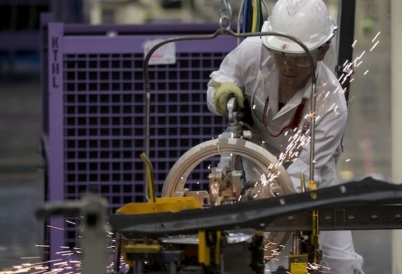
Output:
x=375 y=37
x=45 y=262
x=347 y=160
x=55 y=227
x=60 y=263
x=354 y=43
x=350 y=73
x=374 y=45
x=366 y=72
x=57 y=270
x=356 y=59
x=351 y=98
x=24 y=268
x=28 y=258
x=70 y=222
x=42 y=245
x=61 y=252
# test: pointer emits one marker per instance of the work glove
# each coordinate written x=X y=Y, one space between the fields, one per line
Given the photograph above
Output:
x=223 y=93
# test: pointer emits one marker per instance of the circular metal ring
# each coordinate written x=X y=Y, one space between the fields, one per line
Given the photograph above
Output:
x=178 y=174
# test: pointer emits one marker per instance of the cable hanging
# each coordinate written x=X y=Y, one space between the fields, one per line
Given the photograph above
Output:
x=250 y=18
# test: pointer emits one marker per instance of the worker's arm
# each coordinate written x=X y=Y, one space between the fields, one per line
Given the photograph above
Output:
x=236 y=72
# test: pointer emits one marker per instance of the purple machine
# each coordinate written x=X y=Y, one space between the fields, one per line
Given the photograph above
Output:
x=95 y=116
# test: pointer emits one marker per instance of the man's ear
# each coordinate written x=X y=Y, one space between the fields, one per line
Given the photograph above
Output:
x=322 y=51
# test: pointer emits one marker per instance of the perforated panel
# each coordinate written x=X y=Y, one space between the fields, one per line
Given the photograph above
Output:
x=104 y=126
x=103 y=116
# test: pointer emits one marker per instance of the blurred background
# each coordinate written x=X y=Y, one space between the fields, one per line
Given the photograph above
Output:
x=367 y=141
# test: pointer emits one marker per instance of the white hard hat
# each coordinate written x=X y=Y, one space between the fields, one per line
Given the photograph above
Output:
x=307 y=20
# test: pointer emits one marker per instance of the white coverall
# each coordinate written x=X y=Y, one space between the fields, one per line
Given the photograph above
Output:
x=251 y=68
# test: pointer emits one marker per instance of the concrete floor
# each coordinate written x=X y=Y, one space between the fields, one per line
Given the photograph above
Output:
x=21 y=180
x=20 y=231
x=22 y=183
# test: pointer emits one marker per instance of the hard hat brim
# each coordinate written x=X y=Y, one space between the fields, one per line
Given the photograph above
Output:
x=283 y=44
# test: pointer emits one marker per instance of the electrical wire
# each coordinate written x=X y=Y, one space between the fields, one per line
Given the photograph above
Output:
x=259 y=16
x=245 y=16
x=239 y=16
x=254 y=17
x=249 y=16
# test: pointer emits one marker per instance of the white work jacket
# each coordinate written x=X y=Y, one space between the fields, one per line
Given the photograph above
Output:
x=251 y=68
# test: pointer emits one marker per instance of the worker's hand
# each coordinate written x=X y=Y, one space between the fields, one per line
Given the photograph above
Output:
x=223 y=94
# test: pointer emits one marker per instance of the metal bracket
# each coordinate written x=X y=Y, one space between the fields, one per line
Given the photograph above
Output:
x=259 y=214
x=225 y=18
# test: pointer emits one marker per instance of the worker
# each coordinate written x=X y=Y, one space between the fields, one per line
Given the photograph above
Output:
x=271 y=76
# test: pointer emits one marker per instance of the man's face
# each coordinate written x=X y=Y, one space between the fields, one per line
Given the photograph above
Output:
x=294 y=69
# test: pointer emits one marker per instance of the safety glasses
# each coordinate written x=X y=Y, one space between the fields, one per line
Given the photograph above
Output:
x=299 y=60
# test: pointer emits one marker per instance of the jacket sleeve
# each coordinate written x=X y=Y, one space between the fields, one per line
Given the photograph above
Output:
x=230 y=70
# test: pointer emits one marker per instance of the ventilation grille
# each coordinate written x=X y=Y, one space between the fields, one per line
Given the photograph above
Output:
x=104 y=123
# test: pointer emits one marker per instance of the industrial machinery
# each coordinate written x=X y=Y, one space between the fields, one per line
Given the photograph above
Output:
x=237 y=226
x=173 y=246
x=226 y=186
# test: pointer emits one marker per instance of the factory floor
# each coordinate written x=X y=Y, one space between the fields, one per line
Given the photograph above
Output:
x=22 y=181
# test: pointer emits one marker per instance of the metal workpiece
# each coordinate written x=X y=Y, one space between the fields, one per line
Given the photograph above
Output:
x=352 y=218
x=93 y=226
x=178 y=174
x=259 y=214
x=237 y=191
